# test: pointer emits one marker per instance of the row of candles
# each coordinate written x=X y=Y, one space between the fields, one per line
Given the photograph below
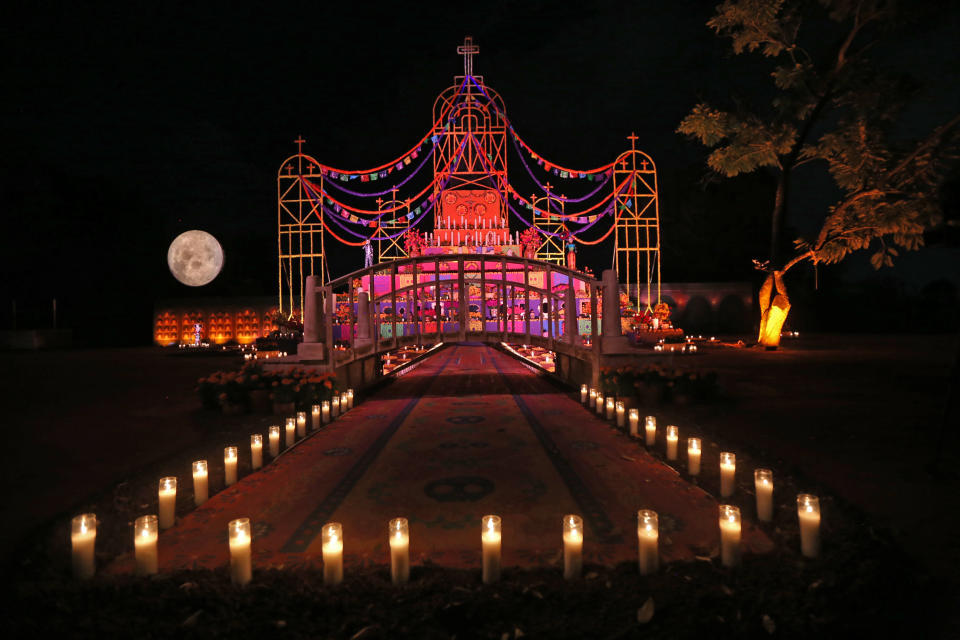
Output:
x=808 y=506
x=146 y=528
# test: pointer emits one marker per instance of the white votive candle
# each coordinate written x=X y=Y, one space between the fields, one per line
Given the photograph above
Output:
x=672 y=437
x=650 y=430
x=621 y=415
x=335 y=406
x=763 y=482
x=599 y=406
x=290 y=432
x=230 y=466
x=648 y=534
x=315 y=417
x=611 y=407
x=634 y=418
x=349 y=398
x=728 y=473
x=584 y=394
x=593 y=398
x=241 y=561
x=729 y=535
x=167 y=496
x=490 y=538
x=332 y=549
x=693 y=456
x=83 y=537
x=325 y=411
x=200 y=482
x=399 y=534
x=256 y=451
x=572 y=546
x=808 y=511
x=145 y=545
x=301 y=423
x=344 y=402
x=274 y=437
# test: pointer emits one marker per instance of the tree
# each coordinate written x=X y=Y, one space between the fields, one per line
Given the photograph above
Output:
x=834 y=108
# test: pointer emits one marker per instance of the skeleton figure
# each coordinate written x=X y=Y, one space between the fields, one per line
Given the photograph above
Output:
x=367 y=254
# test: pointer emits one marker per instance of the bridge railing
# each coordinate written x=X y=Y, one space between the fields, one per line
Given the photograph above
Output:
x=515 y=299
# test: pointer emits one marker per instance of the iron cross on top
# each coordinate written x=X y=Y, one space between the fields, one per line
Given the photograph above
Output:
x=467 y=50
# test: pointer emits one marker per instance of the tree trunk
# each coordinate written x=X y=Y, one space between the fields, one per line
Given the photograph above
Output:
x=779 y=213
x=773 y=310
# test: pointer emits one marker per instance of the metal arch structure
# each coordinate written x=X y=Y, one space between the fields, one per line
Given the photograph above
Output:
x=391 y=248
x=552 y=249
x=471 y=151
x=637 y=227
x=300 y=238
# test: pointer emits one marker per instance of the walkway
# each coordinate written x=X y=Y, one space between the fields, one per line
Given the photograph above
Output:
x=470 y=431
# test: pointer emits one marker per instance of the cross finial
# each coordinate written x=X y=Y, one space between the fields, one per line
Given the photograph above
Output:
x=467 y=50
x=299 y=142
x=379 y=202
x=548 y=186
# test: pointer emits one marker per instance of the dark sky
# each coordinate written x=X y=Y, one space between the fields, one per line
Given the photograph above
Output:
x=124 y=125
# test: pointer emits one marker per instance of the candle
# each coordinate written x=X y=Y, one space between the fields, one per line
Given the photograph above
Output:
x=611 y=406
x=621 y=415
x=650 y=428
x=490 y=538
x=728 y=471
x=83 y=536
x=325 y=411
x=808 y=511
x=256 y=451
x=335 y=404
x=168 y=501
x=332 y=537
x=344 y=402
x=200 y=492
x=584 y=393
x=648 y=533
x=314 y=417
x=599 y=406
x=399 y=532
x=572 y=546
x=693 y=456
x=672 y=438
x=241 y=565
x=349 y=398
x=291 y=432
x=145 y=545
x=729 y=535
x=230 y=466
x=593 y=398
x=763 y=482
x=274 y=436
x=301 y=424
x=634 y=417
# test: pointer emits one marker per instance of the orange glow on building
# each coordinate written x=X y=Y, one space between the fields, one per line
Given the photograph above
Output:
x=222 y=321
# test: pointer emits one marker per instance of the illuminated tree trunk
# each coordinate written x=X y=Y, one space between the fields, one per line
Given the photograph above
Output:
x=773 y=309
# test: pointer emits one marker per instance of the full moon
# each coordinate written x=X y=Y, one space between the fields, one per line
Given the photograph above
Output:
x=195 y=258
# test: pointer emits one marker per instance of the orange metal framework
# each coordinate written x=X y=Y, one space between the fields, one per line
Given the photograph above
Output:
x=299 y=230
x=637 y=239
x=392 y=248
x=552 y=249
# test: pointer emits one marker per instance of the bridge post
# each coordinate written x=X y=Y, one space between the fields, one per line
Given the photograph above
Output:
x=464 y=310
x=571 y=325
x=312 y=348
x=363 y=322
x=613 y=339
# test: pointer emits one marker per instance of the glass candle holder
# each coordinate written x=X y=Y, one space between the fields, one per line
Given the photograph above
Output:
x=315 y=416
x=729 y=535
x=621 y=412
x=241 y=562
x=335 y=406
x=572 y=546
x=648 y=534
x=808 y=512
x=584 y=394
x=349 y=398
x=763 y=484
x=256 y=451
x=325 y=411
x=291 y=431
x=230 y=466
x=728 y=471
x=693 y=456
x=167 y=501
x=274 y=436
x=200 y=482
x=301 y=423
x=332 y=549
x=650 y=430
x=611 y=407
x=145 y=530
x=83 y=537
x=490 y=540
x=600 y=405
x=634 y=419
x=593 y=397
x=399 y=537
x=673 y=436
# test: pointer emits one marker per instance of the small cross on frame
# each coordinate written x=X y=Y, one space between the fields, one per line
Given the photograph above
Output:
x=299 y=141
x=548 y=186
x=633 y=140
x=623 y=164
x=643 y=165
x=467 y=50
x=379 y=202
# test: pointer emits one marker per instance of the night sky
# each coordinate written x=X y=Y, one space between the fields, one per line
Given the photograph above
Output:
x=124 y=126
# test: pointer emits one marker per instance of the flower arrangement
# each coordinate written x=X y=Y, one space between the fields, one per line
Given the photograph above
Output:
x=530 y=241
x=414 y=243
x=653 y=384
x=303 y=386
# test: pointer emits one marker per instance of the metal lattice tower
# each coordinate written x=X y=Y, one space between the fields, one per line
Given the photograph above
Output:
x=552 y=249
x=299 y=229
x=637 y=244
x=394 y=223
